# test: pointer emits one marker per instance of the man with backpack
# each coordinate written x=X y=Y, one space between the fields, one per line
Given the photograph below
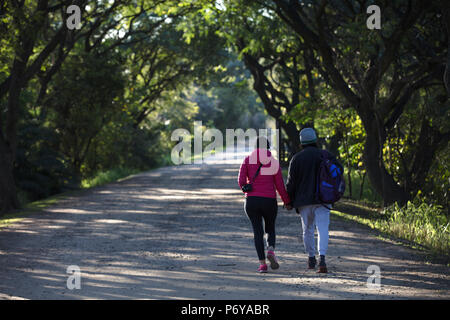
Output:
x=314 y=183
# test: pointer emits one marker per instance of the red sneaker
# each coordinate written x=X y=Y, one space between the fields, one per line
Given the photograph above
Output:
x=262 y=268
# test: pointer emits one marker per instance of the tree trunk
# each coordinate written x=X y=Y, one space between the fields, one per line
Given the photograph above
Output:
x=446 y=12
x=349 y=165
x=383 y=183
x=361 y=186
x=8 y=196
x=349 y=175
x=8 y=141
x=293 y=134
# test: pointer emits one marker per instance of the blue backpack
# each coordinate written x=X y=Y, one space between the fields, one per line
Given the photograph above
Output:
x=330 y=184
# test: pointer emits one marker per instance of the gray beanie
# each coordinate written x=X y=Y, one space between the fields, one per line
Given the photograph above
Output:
x=307 y=136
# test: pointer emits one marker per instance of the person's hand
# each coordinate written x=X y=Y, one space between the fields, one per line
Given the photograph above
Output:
x=288 y=207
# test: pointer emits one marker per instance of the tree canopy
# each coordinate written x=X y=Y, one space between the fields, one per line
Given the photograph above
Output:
x=74 y=102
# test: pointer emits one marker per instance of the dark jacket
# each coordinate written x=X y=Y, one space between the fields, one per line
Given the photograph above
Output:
x=301 y=182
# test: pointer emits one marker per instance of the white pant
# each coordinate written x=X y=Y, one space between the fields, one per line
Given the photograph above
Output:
x=315 y=216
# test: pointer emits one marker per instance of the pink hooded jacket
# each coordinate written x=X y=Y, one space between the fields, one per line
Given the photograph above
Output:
x=268 y=179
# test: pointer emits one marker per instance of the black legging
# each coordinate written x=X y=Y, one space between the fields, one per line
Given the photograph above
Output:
x=257 y=209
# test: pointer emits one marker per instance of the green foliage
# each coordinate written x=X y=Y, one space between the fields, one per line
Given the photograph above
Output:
x=437 y=184
x=120 y=144
x=426 y=115
x=115 y=99
x=419 y=222
x=228 y=101
x=387 y=77
x=108 y=176
x=40 y=170
x=362 y=188
x=85 y=97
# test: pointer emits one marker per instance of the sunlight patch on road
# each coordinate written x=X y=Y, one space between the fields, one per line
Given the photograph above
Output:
x=25 y=231
x=221 y=191
x=112 y=221
x=179 y=194
x=71 y=210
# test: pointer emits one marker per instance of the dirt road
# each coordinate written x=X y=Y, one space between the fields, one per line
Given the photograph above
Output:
x=180 y=233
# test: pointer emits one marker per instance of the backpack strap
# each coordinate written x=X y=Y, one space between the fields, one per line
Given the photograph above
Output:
x=324 y=154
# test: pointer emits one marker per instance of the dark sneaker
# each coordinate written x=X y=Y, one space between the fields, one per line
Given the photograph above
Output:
x=322 y=265
x=273 y=260
x=322 y=269
x=312 y=262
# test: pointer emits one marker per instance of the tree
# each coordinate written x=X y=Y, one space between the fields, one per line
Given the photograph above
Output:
x=378 y=73
x=166 y=62
x=37 y=37
x=38 y=43
x=227 y=100
x=85 y=96
x=280 y=64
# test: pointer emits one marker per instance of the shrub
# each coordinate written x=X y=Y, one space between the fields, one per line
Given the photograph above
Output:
x=108 y=176
x=420 y=222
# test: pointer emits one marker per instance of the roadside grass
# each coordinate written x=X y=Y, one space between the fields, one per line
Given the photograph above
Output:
x=31 y=207
x=108 y=176
x=419 y=226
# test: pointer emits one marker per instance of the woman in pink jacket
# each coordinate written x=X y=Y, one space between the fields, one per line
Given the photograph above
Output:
x=263 y=172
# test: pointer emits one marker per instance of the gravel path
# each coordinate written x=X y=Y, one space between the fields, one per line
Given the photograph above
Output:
x=180 y=233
